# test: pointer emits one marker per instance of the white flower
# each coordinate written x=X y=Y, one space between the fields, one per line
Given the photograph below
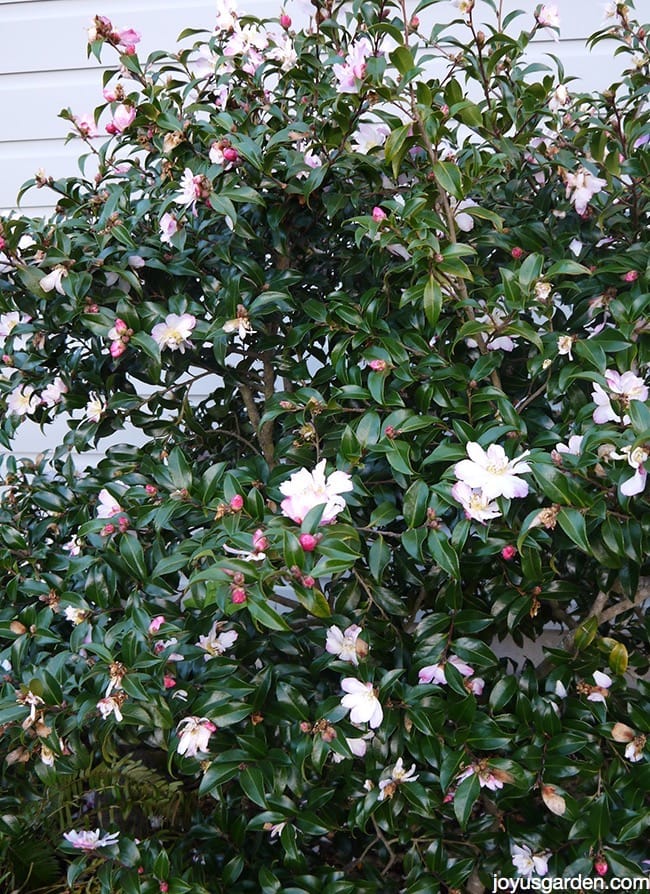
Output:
x=53 y=393
x=195 y=735
x=175 y=332
x=464 y=221
x=95 y=407
x=398 y=776
x=54 y=279
x=576 y=247
x=226 y=15
x=89 y=841
x=73 y=546
x=565 y=345
x=474 y=502
x=559 y=98
x=362 y=702
x=526 y=862
x=107 y=506
x=111 y=704
x=191 y=189
x=487 y=778
x=634 y=749
x=284 y=52
x=549 y=17
x=573 y=446
x=599 y=692
x=353 y=70
x=493 y=321
x=624 y=387
x=304 y=490
x=241 y=325
x=74 y=615
x=22 y=400
x=476 y=685
x=636 y=457
x=581 y=186
x=8 y=323
x=357 y=746
x=343 y=644
x=492 y=471
x=368 y=136
x=217 y=642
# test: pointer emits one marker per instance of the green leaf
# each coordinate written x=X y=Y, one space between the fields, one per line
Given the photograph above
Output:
x=415 y=503
x=448 y=176
x=133 y=555
x=432 y=300
x=573 y=524
x=252 y=783
x=465 y=797
x=444 y=554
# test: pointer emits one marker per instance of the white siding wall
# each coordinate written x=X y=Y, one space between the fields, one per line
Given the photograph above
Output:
x=44 y=68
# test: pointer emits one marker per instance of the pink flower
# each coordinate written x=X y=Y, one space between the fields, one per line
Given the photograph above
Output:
x=487 y=778
x=22 y=400
x=623 y=387
x=581 y=186
x=378 y=214
x=53 y=393
x=86 y=125
x=90 y=841
x=168 y=228
x=107 y=506
x=353 y=69
x=631 y=276
x=123 y=117
x=636 y=457
x=435 y=673
x=492 y=472
x=309 y=542
x=156 y=623
x=549 y=17
x=127 y=39
x=237 y=503
x=305 y=490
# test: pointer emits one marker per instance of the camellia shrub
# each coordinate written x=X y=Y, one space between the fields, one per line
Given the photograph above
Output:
x=356 y=604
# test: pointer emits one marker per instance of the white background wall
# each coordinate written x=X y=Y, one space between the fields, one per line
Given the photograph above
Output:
x=44 y=68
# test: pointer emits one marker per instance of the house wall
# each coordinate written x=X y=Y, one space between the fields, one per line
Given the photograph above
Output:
x=44 y=68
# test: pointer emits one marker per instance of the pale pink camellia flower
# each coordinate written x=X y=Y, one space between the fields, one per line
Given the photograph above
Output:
x=343 y=643
x=226 y=15
x=241 y=325
x=634 y=750
x=353 y=69
x=636 y=457
x=90 y=841
x=573 y=445
x=565 y=345
x=85 y=124
x=311 y=160
x=8 y=323
x=109 y=93
x=435 y=673
x=123 y=117
x=378 y=214
x=476 y=505
x=492 y=471
x=22 y=400
x=127 y=39
x=217 y=642
x=464 y=221
x=168 y=228
x=549 y=17
x=108 y=705
x=398 y=776
x=175 y=332
x=75 y=615
x=492 y=321
x=155 y=624
x=194 y=735
x=305 y=490
x=362 y=702
x=476 y=685
x=526 y=862
x=53 y=393
x=581 y=187
x=559 y=98
x=73 y=546
x=192 y=189
x=464 y=6
x=369 y=135
x=623 y=387
x=599 y=693
x=107 y=506
x=95 y=407
x=54 y=279
x=357 y=746
x=283 y=52
x=487 y=778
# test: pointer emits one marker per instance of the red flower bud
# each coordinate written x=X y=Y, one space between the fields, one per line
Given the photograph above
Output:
x=238 y=595
x=309 y=542
x=508 y=552
x=600 y=865
x=285 y=20
x=517 y=252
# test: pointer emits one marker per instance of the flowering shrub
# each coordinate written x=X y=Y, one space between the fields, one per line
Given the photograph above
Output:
x=366 y=305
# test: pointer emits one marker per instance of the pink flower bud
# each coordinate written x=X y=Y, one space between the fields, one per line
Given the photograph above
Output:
x=237 y=503
x=123 y=523
x=378 y=214
x=308 y=581
x=309 y=542
x=508 y=552
x=260 y=543
x=109 y=94
x=122 y=118
x=230 y=154
x=285 y=21
x=117 y=349
x=238 y=595
x=111 y=128
x=631 y=276
x=600 y=865
x=378 y=365
x=390 y=432
x=156 y=623
x=415 y=22
x=168 y=681
x=2 y=243
x=517 y=252
x=164 y=888
x=305 y=726
x=151 y=489
x=107 y=530
x=238 y=578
